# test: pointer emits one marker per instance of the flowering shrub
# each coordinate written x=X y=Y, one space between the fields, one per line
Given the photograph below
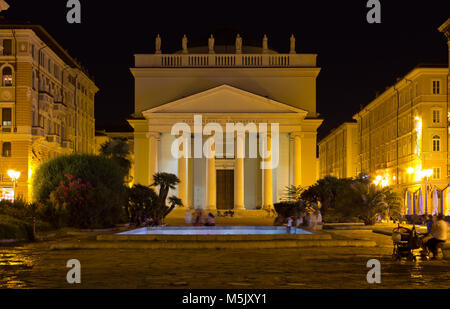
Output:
x=75 y=196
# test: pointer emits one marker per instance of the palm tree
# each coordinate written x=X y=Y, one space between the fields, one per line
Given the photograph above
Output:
x=368 y=202
x=118 y=150
x=165 y=182
x=174 y=202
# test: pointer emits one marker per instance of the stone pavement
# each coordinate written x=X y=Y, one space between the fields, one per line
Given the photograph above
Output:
x=35 y=266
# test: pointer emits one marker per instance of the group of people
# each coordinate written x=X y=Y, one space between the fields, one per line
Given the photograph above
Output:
x=198 y=218
x=311 y=221
x=436 y=233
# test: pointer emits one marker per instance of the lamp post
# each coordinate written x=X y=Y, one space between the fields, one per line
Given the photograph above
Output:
x=14 y=175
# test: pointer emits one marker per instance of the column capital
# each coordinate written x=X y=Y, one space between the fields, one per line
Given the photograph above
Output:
x=296 y=134
x=155 y=135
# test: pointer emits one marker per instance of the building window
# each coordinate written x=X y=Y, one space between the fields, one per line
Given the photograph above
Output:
x=436 y=173
x=6 y=149
x=6 y=117
x=7 y=77
x=436 y=143
x=7 y=47
x=436 y=87
x=436 y=116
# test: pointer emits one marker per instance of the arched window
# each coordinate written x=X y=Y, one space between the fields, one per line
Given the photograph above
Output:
x=436 y=143
x=6 y=149
x=7 y=77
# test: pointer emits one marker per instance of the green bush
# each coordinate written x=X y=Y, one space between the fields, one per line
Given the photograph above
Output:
x=12 y=228
x=107 y=191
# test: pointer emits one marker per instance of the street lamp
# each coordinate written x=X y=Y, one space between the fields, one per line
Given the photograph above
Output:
x=14 y=175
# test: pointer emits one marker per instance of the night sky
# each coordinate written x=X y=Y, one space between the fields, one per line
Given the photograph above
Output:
x=357 y=59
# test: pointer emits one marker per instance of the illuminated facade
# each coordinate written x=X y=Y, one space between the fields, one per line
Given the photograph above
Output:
x=226 y=84
x=338 y=152
x=46 y=101
x=401 y=140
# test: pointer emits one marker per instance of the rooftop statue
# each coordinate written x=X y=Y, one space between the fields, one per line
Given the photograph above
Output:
x=265 y=44
x=292 y=45
x=158 y=44
x=238 y=44
x=211 y=44
x=184 y=43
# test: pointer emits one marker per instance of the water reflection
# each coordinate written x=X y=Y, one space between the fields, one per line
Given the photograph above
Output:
x=13 y=263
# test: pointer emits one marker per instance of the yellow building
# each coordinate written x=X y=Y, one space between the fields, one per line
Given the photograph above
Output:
x=46 y=101
x=338 y=151
x=399 y=139
x=226 y=85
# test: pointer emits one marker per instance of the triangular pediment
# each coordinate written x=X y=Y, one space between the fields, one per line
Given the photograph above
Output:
x=225 y=99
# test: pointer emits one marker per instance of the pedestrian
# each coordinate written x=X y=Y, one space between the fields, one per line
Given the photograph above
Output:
x=211 y=221
x=289 y=225
x=188 y=217
x=438 y=235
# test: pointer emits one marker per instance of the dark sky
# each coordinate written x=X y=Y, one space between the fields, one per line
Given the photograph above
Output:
x=357 y=59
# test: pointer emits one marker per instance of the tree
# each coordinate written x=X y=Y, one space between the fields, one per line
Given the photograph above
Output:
x=108 y=193
x=393 y=202
x=141 y=199
x=326 y=191
x=368 y=202
x=165 y=182
x=118 y=150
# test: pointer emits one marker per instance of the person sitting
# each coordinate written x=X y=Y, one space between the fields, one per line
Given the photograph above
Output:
x=211 y=221
x=438 y=235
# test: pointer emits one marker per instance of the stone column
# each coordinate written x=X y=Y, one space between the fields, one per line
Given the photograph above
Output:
x=211 y=180
x=239 y=174
x=190 y=198
x=297 y=159
x=268 y=190
x=153 y=154
x=182 y=175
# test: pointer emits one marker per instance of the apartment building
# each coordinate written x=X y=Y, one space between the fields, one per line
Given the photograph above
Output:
x=47 y=105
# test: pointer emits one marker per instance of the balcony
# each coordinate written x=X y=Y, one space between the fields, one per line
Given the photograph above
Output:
x=225 y=60
x=67 y=144
x=45 y=100
x=37 y=131
x=54 y=138
x=59 y=107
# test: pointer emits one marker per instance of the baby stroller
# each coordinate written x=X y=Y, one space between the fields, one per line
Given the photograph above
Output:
x=407 y=244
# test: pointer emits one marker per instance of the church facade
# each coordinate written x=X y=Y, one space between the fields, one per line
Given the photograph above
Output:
x=244 y=86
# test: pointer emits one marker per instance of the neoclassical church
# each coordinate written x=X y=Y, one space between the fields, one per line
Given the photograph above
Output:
x=227 y=84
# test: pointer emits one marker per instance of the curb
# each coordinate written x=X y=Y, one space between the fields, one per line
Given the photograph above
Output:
x=213 y=245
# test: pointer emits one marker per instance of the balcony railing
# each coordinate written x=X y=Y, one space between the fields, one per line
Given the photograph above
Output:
x=37 y=131
x=54 y=138
x=225 y=60
x=67 y=144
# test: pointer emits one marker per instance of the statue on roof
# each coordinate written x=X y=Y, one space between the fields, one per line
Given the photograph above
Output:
x=158 y=44
x=265 y=44
x=3 y=5
x=238 y=44
x=184 y=43
x=292 y=45
x=211 y=44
